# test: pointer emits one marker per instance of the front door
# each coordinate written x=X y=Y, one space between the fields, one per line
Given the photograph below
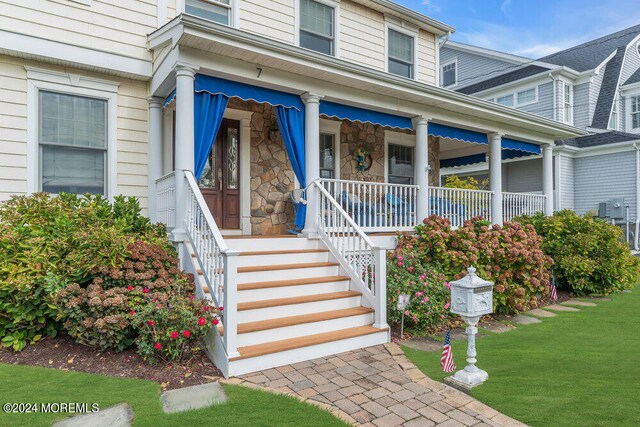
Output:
x=220 y=182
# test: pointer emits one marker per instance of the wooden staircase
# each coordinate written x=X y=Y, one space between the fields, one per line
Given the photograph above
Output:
x=295 y=303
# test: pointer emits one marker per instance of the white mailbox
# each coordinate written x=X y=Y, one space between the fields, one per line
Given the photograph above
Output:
x=471 y=296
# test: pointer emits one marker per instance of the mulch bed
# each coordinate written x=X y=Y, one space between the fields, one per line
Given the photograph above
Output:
x=64 y=354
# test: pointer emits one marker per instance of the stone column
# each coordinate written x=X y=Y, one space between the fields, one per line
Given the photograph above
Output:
x=312 y=156
x=155 y=152
x=421 y=167
x=495 y=176
x=184 y=157
x=547 y=177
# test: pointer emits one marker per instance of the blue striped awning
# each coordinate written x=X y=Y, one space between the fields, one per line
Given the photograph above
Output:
x=464 y=135
x=515 y=145
x=463 y=161
x=357 y=114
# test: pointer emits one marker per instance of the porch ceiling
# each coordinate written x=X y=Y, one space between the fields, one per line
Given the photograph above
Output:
x=297 y=70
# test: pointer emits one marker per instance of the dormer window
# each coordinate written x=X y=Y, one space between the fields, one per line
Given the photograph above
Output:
x=213 y=10
x=317 y=26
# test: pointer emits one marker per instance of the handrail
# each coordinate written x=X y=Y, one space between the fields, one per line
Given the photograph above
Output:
x=166 y=199
x=352 y=181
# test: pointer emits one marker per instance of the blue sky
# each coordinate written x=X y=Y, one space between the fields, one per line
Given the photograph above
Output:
x=531 y=28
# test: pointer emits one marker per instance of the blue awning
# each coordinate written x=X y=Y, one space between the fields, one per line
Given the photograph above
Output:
x=526 y=147
x=463 y=161
x=356 y=114
x=463 y=135
x=169 y=99
x=246 y=92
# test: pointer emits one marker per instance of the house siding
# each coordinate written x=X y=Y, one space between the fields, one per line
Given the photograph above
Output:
x=426 y=58
x=132 y=130
x=473 y=68
x=362 y=35
x=631 y=63
x=566 y=183
x=274 y=19
x=544 y=106
x=594 y=92
x=605 y=177
x=524 y=176
x=581 y=109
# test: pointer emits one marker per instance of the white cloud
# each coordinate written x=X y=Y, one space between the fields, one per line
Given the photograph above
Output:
x=505 y=5
x=430 y=6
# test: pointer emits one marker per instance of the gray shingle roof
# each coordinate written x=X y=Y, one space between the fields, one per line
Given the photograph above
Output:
x=589 y=55
x=608 y=91
x=596 y=139
x=635 y=78
x=512 y=76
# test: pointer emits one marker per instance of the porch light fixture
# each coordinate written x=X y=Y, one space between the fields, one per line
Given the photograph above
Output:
x=471 y=298
x=274 y=130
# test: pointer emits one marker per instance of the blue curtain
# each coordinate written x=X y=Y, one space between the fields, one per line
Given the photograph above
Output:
x=291 y=123
x=209 y=111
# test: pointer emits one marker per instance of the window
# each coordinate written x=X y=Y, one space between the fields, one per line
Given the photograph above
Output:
x=72 y=143
x=566 y=103
x=526 y=96
x=449 y=74
x=400 y=164
x=613 y=118
x=505 y=100
x=317 y=31
x=635 y=112
x=401 y=54
x=327 y=156
x=213 y=10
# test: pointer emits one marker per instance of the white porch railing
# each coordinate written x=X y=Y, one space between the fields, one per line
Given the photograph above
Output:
x=166 y=200
x=375 y=206
x=516 y=204
x=364 y=262
x=217 y=262
x=459 y=205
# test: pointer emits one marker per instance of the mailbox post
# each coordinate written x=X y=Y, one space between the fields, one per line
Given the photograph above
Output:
x=471 y=298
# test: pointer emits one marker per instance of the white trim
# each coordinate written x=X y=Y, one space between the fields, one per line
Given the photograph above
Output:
x=502 y=56
x=455 y=83
x=162 y=13
x=557 y=171
x=73 y=85
x=233 y=6
x=628 y=119
x=48 y=50
x=84 y=2
x=396 y=138
x=514 y=93
x=535 y=97
x=404 y=28
x=332 y=127
x=335 y=4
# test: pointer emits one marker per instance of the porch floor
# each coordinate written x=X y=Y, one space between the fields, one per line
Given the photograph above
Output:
x=376 y=386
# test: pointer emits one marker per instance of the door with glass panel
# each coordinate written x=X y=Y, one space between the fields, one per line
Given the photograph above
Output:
x=220 y=181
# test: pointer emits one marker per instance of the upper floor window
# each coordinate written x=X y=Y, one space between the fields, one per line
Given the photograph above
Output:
x=635 y=112
x=401 y=53
x=213 y=10
x=449 y=74
x=526 y=96
x=613 y=118
x=400 y=164
x=506 y=100
x=566 y=103
x=72 y=143
x=317 y=26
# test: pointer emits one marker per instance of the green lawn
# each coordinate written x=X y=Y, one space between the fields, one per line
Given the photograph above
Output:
x=245 y=407
x=575 y=369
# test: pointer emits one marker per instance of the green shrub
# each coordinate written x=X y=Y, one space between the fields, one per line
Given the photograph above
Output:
x=428 y=290
x=589 y=254
x=510 y=256
x=47 y=243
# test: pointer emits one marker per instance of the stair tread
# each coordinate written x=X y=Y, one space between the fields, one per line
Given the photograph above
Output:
x=251 y=269
x=284 y=252
x=282 y=322
x=293 y=282
x=296 y=300
x=309 y=340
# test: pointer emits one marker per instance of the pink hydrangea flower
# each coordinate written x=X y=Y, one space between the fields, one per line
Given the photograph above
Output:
x=446 y=306
x=411 y=269
x=448 y=285
x=400 y=258
x=419 y=294
x=406 y=313
x=399 y=263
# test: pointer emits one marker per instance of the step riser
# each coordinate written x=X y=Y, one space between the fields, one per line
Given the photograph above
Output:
x=296 y=331
x=255 y=260
x=292 y=291
x=244 y=366
x=271 y=244
x=293 y=273
x=258 y=314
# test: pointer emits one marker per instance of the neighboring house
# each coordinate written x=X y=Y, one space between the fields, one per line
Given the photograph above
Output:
x=594 y=86
x=212 y=112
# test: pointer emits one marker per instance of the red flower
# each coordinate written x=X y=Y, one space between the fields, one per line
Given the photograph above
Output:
x=186 y=333
x=206 y=308
x=131 y=313
x=129 y=288
x=221 y=308
x=146 y=290
x=192 y=297
x=174 y=335
x=202 y=321
x=151 y=322
x=158 y=346
x=215 y=321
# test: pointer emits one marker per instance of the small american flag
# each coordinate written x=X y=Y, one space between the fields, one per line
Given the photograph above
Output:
x=554 y=289
x=446 y=361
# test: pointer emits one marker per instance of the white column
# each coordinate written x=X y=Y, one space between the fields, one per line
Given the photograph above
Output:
x=495 y=176
x=547 y=177
x=184 y=157
x=421 y=167
x=312 y=156
x=155 y=152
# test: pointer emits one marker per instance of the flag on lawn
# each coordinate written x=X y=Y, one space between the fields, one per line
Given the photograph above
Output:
x=554 y=290
x=446 y=361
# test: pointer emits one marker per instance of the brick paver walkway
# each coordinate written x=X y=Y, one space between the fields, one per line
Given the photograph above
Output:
x=376 y=386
